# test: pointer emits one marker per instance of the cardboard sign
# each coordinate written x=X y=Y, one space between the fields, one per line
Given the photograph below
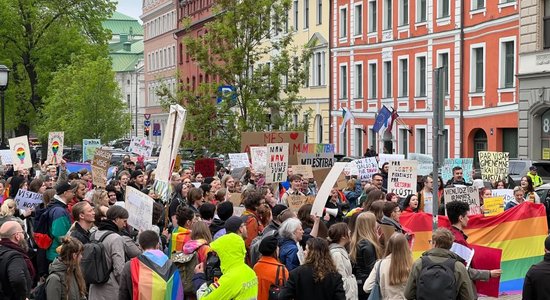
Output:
x=100 y=166
x=277 y=163
x=364 y=168
x=468 y=194
x=239 y=160
x=88 y=148
x=320 y=175
x=318 y=156
x=293 y=138
x=55 y=147
x=140 y=209
x=305 y=171
x=326 y=187
x=493 y=206
x=258 y=155
x=295 y=202
x=5 y=157
x=425 y=163
x=20 y=153
x=383 y=158
x=494 y=165
x=205 y=166
x=466 y=164
x=236 y=199
x=28 y=200
x=170 y=142
x=141 y=147
x=342 y=182
x=506 y=194
x=238 y=211
x=402 y=177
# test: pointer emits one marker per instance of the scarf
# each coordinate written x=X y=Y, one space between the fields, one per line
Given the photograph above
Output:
x=14 y=246
x=107 y=225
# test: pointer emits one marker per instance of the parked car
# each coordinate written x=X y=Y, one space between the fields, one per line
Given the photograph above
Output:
x=518 y=168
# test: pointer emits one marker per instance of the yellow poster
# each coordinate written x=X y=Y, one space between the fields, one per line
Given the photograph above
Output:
x=545 y=153
x=493 y=206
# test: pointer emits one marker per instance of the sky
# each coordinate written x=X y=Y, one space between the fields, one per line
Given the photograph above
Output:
x=131 y=8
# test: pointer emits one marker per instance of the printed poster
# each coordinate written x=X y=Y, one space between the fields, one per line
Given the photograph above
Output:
x=383 y=157
x=277 y=163
x=5 y=157
x=468 y=194
x=258 y=156
x=20 y=153
x=55 y=147
x=140 y=209
x=466 y=164
x=88 y=148
x=494 y=165
x=402 y=177
x=294 y=139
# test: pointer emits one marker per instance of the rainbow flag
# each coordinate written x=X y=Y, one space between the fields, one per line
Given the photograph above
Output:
x=149 y=284
x=520 y=233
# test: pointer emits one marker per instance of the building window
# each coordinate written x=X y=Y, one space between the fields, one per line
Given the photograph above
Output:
x=343 y=22
x=443 y=61
x=344 y=135
x=319 y=12
x=372 y=16
x=478 y=4
x=403 y=141
x=477 y=72
x=443 y=10
x=546 y=20
x=372 y=81
x=421 y=10
x=372 y=138
x=358 y=20
x=507 y=64
x=421 y=76
x=387 y=14
x=420 y=140
x=343 y=82
x=306 y=14
x=358 y=81
x=358 y=151
x=318 y=69
x=387 y=79
x=404 y=13
x=403 y=78
x=319 y=122
x=295 y=15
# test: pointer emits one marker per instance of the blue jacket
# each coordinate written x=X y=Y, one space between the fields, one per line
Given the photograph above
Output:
x=353 y=196
x=288 y=254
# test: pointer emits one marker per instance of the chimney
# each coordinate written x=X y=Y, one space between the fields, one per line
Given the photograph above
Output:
x=123 y=37
x=127 y=46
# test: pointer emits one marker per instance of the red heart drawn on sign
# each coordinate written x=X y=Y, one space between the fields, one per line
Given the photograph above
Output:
x=294 y=135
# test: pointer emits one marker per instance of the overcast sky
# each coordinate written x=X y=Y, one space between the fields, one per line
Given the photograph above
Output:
x=131 y=8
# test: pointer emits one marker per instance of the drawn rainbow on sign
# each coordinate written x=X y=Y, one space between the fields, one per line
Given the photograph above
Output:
x=520 y=233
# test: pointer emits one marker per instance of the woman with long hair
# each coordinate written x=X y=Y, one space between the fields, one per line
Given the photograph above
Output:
x=365 y=249
x=65 y=281
x=411 y=203
x=317 y=278
x=200 y=241
x=340 y=236
x=526 y=184
x=394 y=269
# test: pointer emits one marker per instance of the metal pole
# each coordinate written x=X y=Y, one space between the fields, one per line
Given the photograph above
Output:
x=137 y=102
x=3 y=142
x=438 y=125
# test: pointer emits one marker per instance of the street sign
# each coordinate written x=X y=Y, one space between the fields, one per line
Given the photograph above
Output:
x=156 y=129
x=147 y=123
x=147 y=116
x=224 y=91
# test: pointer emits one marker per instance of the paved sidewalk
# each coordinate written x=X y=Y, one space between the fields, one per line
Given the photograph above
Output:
x=505 y=297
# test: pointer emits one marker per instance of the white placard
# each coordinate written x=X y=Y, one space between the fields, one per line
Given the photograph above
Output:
x=402 y=177
x=277 y=163
x=140 y=209
x=468 y=194
x=55 y=147
x=239 y=160
x=142 y=147
x=326 y=187
x=5 y=156
x=507 y=194
x=466 y=253
x=28 y=200
x=20 y=153
x=383 y=157
x=494 y=165
x=258 y=155
x=366 y=167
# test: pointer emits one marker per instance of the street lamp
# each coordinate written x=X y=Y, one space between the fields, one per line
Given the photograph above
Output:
x=4 y=76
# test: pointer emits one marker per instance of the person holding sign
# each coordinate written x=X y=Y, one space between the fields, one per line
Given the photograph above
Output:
x=518 y=198
x=295 y=185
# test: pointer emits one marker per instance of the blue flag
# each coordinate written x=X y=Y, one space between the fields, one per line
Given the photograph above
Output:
x=382 y=119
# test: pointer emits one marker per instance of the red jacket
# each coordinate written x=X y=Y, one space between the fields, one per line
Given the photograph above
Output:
x=460 y=236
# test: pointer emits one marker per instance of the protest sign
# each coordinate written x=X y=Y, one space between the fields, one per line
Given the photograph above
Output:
x=236 y=199
x=402 y=177
x=506 y=194
x=20 y=153
x=277 y=163
x=28 y=200
x=384 y=157
x=88 y=148
x=170 y=143
x=366 y=167
x=318 y=156
x=326 y=187
x=141 y=147
x=425 y=163
x=100 y=166
x=293 y=138
x=494 y=165
x=305 y=171
x=258 y=155
x=320 y=175
x=205 y=166
x=5 y=157
x=466 y=253
x=295 y=202
x=342 y=182
x=73 y=167
x=468 y=194
x=466 y=164
x=238 y=211
x=55 y=147
x=493 y=206
x=239 y=160
x=140 y=209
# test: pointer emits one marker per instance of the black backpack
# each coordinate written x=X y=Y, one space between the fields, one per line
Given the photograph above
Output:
x=437 y=279
x=212 y=271
x=94 y=264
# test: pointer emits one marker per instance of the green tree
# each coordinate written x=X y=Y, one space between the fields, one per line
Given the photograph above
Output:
x=37 y=38
x=84 y=102
x=244 y=33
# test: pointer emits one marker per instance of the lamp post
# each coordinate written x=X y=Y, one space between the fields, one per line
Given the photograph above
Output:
x=4 y=76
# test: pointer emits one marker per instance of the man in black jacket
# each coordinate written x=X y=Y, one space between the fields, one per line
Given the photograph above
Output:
x=16 y=269
x=535 y=286
x=84 y=217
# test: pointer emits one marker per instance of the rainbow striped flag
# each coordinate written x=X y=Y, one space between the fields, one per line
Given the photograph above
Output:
x=520 y=233
x=148 y=284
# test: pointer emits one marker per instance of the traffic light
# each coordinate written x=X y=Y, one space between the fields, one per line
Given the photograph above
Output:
x=146 y=131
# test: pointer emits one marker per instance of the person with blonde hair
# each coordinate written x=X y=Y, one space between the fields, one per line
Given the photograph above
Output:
x=200 y=241
x=66 y=281
x=365 y=249
x=393 y=270
x=352 y=192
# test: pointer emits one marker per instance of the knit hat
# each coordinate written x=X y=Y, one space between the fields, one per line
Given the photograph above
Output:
x=225 y=210
x=62 y=188
x=233 y=224
x=277 y=210
x=136 y=173
x=268 y=245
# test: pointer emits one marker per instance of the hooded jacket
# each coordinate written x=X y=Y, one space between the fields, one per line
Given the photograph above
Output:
x=216 y=225
x=200 y=245
x=57 y=281
x=59 y=226
x=238 y=280
x=288 y=253
x=342 y=262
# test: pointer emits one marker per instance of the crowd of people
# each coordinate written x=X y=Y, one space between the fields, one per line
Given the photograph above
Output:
x=78 y=245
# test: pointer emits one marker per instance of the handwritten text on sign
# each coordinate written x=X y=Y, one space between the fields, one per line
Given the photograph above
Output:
x=494 y=165
x=468 y=194
x=402 y=177
x=28 y=200
x=140 y=209
x=277 y=162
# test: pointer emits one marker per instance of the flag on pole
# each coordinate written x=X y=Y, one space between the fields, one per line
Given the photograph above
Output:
x=382 y=120
x=394 y=117
x=347 y=115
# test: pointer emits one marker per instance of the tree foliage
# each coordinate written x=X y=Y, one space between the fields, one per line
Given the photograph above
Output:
x=84 y=102
x=38 y=38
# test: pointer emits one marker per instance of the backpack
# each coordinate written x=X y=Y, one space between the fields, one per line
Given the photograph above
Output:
x=254 y=250
x=6 y=255
x=437 y=279
x=186 y=264
x=212 y=271
x=42 y=226
x=275 y=289
x=93 y=264
x=39 y=292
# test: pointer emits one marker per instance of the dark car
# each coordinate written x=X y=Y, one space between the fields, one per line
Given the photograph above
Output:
x=544 y=194
x=519 y=168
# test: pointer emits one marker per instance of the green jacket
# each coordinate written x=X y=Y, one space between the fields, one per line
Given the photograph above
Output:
x=238 y=281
